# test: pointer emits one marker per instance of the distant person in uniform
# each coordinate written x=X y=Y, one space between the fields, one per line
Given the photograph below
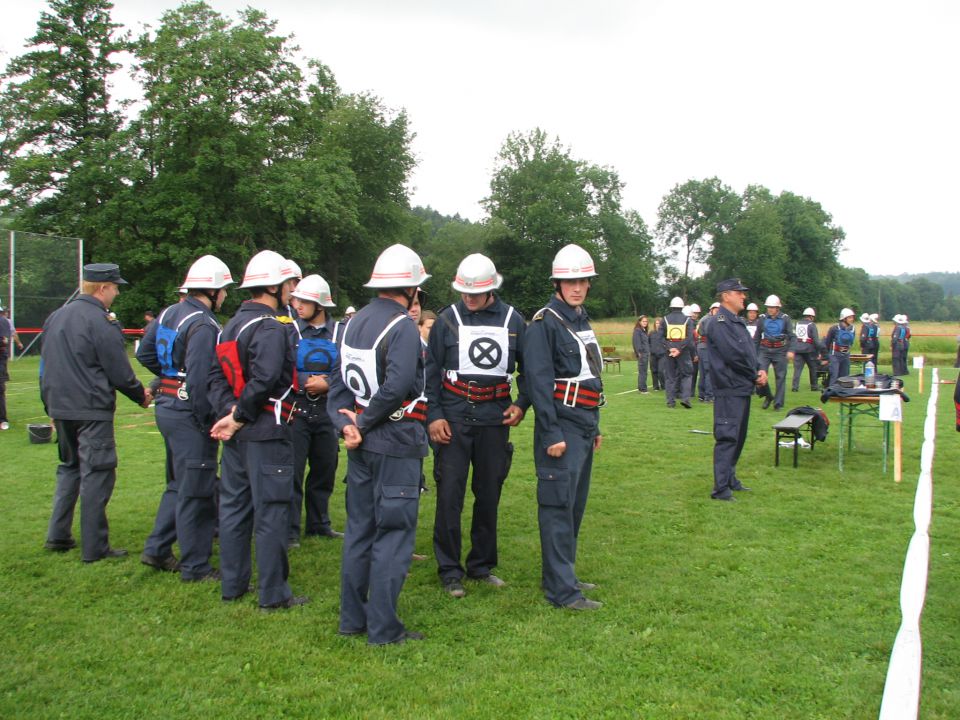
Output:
x=658 y=351
x=734 y=373
x=839 y=340
x=806 y=349
x=641 y=348
x=6 y=340
x=869 y=337
x=84 y=362
x=705 y=390
x=773 y=337
x=900 y=344
x=349 y=313
x=693 y=312
x=564 y=366
x=677 y=333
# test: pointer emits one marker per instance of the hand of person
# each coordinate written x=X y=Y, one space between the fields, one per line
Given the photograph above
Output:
x=557 y=449
x=512 y=416
x=761 y=377
x=351 y=415
x=597 y=442
x=147 y=398
x=673 y=352
x=225 y=428
x=352 y=438
x=439 y=431
x=317 y=385
x=790 y=355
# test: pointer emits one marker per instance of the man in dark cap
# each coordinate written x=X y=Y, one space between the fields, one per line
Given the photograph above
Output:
x=84 y=364
x=734 y=374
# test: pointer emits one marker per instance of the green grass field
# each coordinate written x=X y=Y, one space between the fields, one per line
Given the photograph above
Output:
x=782 y=605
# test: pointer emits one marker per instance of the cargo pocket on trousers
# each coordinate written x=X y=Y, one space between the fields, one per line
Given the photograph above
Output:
x=103 y=455
x=276 y=483
x=725 y=429
x=200 y=480
x=553 y=490
x=398 y=507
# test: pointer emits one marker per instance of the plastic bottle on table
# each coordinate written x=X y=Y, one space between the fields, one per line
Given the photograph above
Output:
x=870 y=374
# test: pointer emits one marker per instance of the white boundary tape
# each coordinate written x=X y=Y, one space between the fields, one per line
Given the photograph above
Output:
x=901 y=694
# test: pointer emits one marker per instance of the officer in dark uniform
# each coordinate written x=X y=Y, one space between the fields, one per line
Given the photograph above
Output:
x=806 y=349
x=677 y=331
x=839 y=340
x=84 y=363
x=563 y=368
x=869 y=337
x=179 y=349
x=376 y=401
x=249 y=389
x=314 y=436
x=734 y=373
x=773 y=337
x=473 y=350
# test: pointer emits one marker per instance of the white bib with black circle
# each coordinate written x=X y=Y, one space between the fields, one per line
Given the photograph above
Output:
x=483 y=349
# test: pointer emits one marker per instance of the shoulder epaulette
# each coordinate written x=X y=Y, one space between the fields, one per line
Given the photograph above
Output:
x=538 y=315
x=285 y=319
x=720 y=318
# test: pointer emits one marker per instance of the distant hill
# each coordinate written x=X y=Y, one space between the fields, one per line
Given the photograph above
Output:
x=949 y=281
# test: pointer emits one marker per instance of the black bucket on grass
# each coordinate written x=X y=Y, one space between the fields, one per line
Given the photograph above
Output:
x=39 y=434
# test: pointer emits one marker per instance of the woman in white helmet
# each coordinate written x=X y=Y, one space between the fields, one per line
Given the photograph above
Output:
x=376 y=401
x=563 y=369
x=838 y=342
x=753 y=312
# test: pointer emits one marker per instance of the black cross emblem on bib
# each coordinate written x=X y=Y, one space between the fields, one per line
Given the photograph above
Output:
x=485 y=353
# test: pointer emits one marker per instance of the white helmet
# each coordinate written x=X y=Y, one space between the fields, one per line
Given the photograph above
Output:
x=182 y=291
x=264 y=269
x=314 y=289
x=695 y=308
x=809 y=311
x=772 y=301
x=676 y=303
x=207 y=273
x=714 y=306
x=753 y=306
x=351 y=310
x=291 y=270
x=847 y=312
x=874 y=317
x=572 y=262
x=476 y=274
x=864 y=317
x=398 y=266
x=685 y=310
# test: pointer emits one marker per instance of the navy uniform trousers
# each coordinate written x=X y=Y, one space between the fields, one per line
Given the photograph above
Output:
x=489 y=449
x=255 y=487
x=839 y=366
x=188 y=511
x=731 y=414
x=383 y=497
x=88 y=471
x=808 y=358
x=677 y=377
x=563 y=485
x=778 y=358
x=314 y=441
x=705 y=391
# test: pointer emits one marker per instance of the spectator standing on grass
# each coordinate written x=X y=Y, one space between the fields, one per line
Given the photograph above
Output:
x=806 y=349
x=564 y=365
x=658 y=351
x=474 y=349
x=641 y=348
x=734 y=374
x=179 y=349
x=6 y=339
x=376 y=400
x=249 y=389
x=84 y=362
x=900 y=344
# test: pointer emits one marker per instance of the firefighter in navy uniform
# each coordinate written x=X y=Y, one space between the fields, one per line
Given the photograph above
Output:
x=563 y=366
x=773 y=337
x=806 y=349
x=900 y=344
x=838 y=342
x=677 y=331
x=83 y=364
x=474 y=347
x=249 y=389
x=734 y=373
x=870 y=336
x=705 y=389
x=178 y=348
x=376 y=401
x=314 y=436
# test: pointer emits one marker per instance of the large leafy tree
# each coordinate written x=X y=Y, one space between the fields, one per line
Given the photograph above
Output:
x=57 y=123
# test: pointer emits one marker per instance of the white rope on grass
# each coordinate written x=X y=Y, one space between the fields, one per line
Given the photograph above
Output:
x=901 y=693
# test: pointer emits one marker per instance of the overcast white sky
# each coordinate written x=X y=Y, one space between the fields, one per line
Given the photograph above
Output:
x=853 y=103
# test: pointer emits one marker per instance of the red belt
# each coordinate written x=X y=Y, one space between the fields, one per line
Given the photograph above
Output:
x=572 y=395
x=419 y=412
x=474 y=393
x=173 y=387
x=773 y=343
x=807 y=340
x=288 y=410
x=840 y=348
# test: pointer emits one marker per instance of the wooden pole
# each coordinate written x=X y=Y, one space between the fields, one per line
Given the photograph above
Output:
x=921 y=380
x=897 y=451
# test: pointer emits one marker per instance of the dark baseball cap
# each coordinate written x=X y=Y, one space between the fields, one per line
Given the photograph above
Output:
x=731 y=284
x=103 y=272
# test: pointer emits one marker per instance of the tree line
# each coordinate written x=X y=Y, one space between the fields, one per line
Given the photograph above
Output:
x=235 y=144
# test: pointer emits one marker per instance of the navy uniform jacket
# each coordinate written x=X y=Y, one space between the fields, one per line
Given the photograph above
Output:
x=267 y=363
x=641 y=342
x=703 y=330
x=551 y=352
x=769 y=328
x=443 y=354
x=835 y=336
x=192 y=351
x=733 y=356
x=657 y=344
x=400 y=367
x=84 y=363
x=688 y=344
x=813 y=335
